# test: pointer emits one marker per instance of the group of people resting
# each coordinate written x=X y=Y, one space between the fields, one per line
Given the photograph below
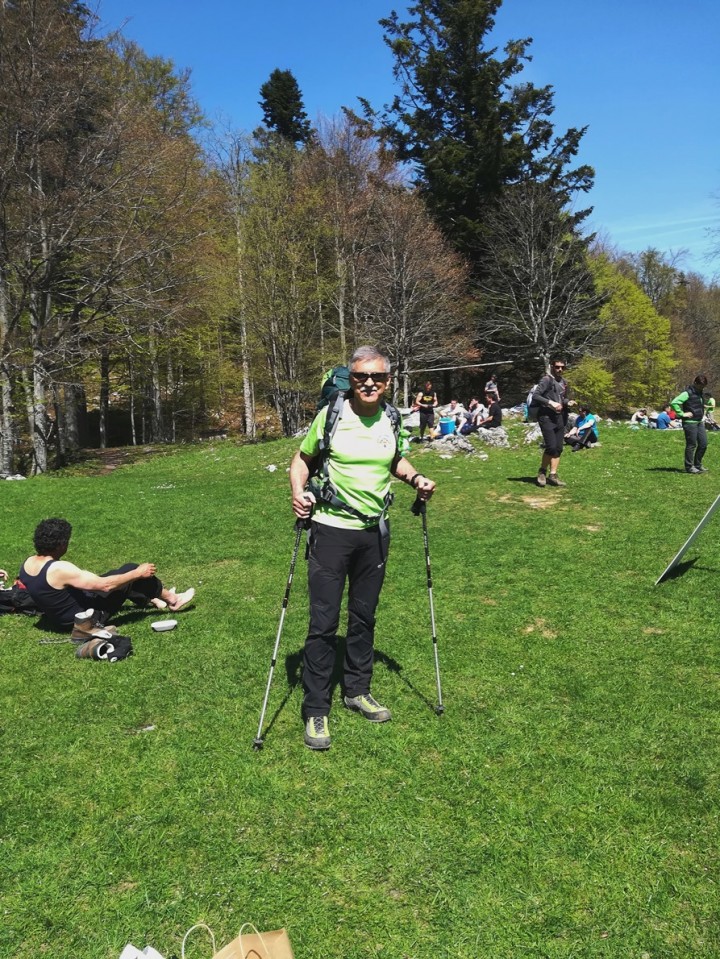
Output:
x=477 y=416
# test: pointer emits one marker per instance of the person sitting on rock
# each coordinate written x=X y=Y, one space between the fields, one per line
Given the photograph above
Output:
x=584 y=433
x=65 y=593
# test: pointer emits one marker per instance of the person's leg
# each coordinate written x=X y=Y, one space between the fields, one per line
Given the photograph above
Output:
x=691 y=439
x=553 y=433
x=140 y=592
x=366 y=575
x=701 y=446
x=329 y=556
x=556 y=453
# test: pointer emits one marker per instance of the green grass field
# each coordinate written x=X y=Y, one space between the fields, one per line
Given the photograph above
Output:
x=566 y=804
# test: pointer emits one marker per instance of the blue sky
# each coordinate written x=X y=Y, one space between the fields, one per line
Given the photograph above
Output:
x=641 y=74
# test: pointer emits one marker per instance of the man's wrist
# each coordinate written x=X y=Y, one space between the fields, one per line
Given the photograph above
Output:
x=413 y=480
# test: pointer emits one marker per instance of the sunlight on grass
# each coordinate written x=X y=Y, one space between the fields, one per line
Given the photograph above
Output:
x=564 y=806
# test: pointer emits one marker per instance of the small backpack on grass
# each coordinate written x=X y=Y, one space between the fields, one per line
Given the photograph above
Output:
x=16 y=599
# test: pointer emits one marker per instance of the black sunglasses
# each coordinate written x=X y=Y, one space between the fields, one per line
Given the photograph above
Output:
x=375 y=377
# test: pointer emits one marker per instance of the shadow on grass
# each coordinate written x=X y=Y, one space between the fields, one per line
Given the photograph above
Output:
x=665 y=469
x=682 y=568
x=293 y=673
x=394 y=666
x=522 y=479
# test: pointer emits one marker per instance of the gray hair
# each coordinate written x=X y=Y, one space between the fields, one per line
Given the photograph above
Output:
x=363 y=353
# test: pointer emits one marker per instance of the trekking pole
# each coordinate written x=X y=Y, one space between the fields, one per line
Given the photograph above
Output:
x=300 y=525
x=419 y=508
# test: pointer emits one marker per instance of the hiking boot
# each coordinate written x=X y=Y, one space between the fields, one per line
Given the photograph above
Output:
x=88 y=625
x=368 y=707
x=693 y=469
x=317 y=733
x=94 y=649
x=554 y=481
x=541 y=479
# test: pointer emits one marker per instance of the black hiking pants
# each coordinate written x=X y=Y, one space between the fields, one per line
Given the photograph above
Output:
x=139 y=592
x=336 y=555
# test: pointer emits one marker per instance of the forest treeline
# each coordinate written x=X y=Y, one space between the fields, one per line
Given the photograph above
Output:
x=164 y=279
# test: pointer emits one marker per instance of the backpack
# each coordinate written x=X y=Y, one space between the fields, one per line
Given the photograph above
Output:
x=335 y=380
x=533 y=408
x=334 y=398
x=16 y=599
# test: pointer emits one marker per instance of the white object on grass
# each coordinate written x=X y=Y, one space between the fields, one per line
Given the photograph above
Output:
x=163 y=625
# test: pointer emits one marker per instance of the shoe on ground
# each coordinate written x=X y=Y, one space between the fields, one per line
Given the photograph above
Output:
x=317 y=732
x=94 y=649
x=368 y=707
x=702 y=469
x=553 y=480
x=693 y=469
x=88 y=625
x=541 y=479
x=182 y=599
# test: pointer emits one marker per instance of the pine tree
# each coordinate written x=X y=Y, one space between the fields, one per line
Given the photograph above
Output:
x=283 y=108
x=466 y=124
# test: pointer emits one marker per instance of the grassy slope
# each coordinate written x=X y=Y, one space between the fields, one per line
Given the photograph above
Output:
x=564 y=806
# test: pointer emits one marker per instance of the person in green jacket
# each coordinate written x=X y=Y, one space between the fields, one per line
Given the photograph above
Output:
x=691 y=406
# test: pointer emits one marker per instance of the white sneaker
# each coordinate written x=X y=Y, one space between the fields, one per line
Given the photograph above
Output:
x=182 y=599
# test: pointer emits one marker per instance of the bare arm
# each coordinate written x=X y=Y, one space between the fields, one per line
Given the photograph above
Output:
x=302 y=501
x=403 y=469
x=67 y=574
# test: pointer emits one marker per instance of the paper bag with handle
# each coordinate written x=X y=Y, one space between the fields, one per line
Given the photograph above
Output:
x=249 y=944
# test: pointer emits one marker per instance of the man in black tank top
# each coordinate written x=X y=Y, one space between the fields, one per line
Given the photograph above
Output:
x=61 y=590
x=426 y=401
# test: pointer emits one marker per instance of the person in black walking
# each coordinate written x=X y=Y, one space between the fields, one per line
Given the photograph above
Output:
x=552 y=397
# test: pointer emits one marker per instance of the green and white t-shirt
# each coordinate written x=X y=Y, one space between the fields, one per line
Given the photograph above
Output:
x=361 y=454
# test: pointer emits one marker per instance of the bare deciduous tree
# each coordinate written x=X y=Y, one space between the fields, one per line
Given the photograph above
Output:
x=539 y=297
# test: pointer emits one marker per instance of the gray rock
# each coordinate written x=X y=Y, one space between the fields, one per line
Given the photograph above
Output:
x=453 y=442
x=497 y=437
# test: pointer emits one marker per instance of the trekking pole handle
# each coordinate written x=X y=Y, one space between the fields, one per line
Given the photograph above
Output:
x=419 y=507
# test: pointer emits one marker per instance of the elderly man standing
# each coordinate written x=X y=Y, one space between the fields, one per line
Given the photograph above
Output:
x=349 y=540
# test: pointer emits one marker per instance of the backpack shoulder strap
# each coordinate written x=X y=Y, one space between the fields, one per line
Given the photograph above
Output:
x=393 y=415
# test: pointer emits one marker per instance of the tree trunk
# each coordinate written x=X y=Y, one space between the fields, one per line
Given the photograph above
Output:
x=104 y=395
x=156 y=425
x=60 y=428
x=74 y=407
x=7 y=445
x=131 y=373
x=7 y=439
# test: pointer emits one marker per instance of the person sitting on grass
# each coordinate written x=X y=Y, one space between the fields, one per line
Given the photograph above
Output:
x=585 y=432
x=64 y=592
x=664 y=419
